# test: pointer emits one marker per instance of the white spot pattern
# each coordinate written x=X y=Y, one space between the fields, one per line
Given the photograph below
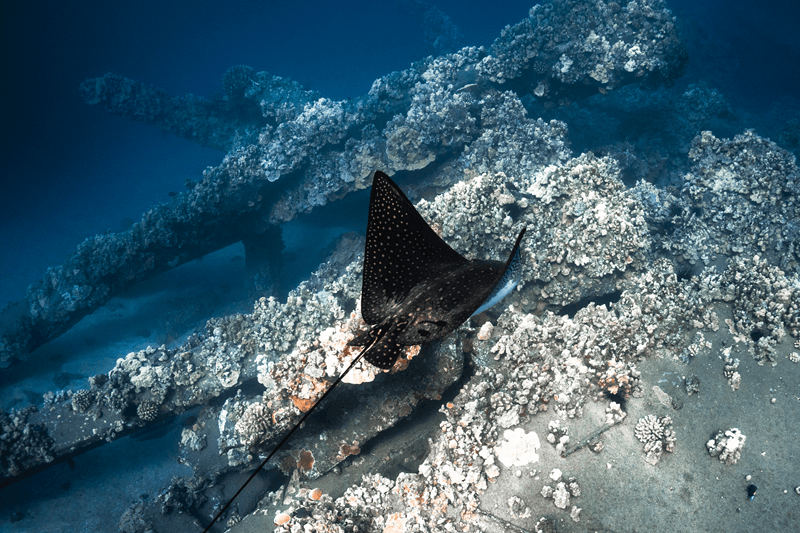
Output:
x=415 y=288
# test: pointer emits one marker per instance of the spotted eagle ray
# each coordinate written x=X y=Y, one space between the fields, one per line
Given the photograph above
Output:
x=415 y=289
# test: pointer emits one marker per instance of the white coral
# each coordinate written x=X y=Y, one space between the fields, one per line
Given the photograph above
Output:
x=519 y=448
x=657 y=435
x=561 y=496
x=727 y=445
x=253 y=424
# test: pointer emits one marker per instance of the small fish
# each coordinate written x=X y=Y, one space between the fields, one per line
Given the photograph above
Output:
x=751 y=492
x=469 y=88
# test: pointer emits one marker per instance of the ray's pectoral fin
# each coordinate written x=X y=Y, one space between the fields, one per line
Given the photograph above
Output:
x=402 y=252
x=431 y=329
x=362 y=339
x=512 y=273
x=384 y=353
x=384 y=350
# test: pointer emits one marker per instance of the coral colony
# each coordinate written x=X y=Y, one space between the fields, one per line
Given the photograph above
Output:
x=618 y=274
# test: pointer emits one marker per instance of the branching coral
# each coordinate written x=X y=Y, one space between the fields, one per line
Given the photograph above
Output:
x=657 y=436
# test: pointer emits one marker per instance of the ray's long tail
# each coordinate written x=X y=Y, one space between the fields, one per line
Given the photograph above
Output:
x=288 y=436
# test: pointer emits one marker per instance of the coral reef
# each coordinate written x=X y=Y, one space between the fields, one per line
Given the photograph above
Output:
x=529 y=362
x=579 y=244
x=765 y=304
x=200 y=120
x=738 y=198
x=748 y=185
x=334 y=146
x=326 y=515
x=23 y=444
x=727 y=445
x=602 y=285
x=541 y=359
x=592 y=50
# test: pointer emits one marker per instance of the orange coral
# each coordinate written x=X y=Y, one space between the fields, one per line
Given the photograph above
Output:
x=300 y=403
x=346 y=450
x=616 y=384
x=394 y=524
x=306 y=461
x=304 y=404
